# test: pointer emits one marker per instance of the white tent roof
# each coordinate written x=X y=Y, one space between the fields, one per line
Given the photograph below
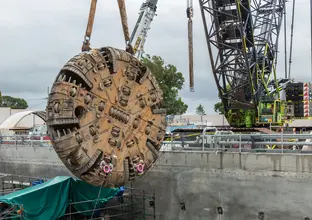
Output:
x=13 y=120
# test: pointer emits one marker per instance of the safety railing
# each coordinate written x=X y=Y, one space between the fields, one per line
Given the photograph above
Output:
x=11 y=183
x=265 y=143
x=26 y=140
x=272 y=143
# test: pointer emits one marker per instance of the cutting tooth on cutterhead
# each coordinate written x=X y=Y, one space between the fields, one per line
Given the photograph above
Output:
x=75 y=129
x=53 y=133
x=60 y=78
x=64 y=77
x=69 y=79
x=58 y=133
x=68 y=131
x=79 y=85
x=64 y=132
x=74 y=82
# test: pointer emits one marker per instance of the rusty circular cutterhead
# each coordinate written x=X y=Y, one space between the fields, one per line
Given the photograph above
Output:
x=103 y=117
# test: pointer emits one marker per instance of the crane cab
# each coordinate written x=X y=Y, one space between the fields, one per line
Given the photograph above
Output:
x=271 y=112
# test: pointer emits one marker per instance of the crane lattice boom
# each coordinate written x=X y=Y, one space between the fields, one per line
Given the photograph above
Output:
x=139 y=34
x=242 y=44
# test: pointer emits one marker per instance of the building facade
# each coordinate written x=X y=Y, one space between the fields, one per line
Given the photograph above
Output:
x=206 y=120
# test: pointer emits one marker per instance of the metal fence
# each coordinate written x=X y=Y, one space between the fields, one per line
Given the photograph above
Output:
x=29 y=140
x=11 y=183
x=270 y=143
x=277 y=143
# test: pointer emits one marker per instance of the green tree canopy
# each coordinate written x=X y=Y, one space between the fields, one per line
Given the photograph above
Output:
x=12 y=102
x=170 y=81
x=219 y=108
x=200 y=110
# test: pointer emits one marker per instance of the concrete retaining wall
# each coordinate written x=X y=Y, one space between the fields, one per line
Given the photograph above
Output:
x=31 y=161
x=195 y=185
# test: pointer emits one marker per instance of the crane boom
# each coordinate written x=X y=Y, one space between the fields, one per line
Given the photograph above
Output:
x=139 y=34
x=242 y=45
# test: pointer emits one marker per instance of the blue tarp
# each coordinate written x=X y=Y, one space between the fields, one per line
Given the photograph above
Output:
x=49 y=200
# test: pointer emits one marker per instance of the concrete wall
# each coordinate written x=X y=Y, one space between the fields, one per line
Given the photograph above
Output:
x=31 y=161
x=243 y=185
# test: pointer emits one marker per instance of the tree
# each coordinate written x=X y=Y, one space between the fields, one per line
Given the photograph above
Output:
x=200 y=110
x=219 y=108
x=170 y=81
x=12 y=102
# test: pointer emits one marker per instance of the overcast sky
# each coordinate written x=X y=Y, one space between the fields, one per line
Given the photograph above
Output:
x=39 y=36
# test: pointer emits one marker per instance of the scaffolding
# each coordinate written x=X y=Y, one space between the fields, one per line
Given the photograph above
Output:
x=10 y=212
x=131 y=204
x=11 y=183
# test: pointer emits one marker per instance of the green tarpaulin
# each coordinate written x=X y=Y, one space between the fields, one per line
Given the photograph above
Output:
x=49 y=200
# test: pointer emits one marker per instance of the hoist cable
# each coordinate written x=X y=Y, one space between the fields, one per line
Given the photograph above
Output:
x=87 y=37
x=97 y=199
x=311 y=34
x=291 y=37
x=189 y=13
x=191 y=62
x=285 y=40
